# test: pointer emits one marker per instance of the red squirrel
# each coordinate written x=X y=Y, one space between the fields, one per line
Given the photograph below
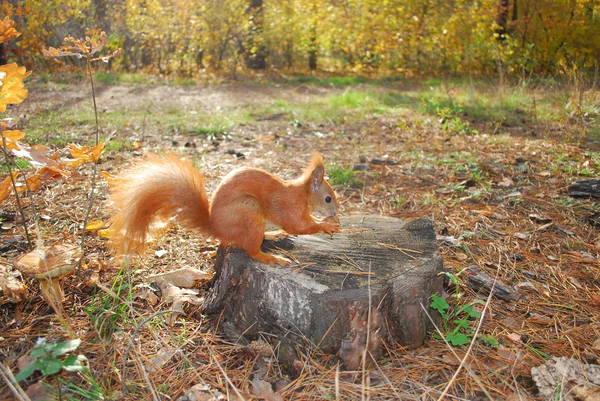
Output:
x=246 y=199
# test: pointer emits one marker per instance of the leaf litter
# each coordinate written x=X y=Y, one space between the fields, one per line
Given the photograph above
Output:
x=511 y=211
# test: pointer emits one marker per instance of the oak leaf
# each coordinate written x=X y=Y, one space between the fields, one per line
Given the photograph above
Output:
x=12 y=138
x=83 y=154
x=7 y=30
x=12 y=90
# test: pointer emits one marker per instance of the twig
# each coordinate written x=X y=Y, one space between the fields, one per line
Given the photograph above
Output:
x=14 y=184
x=216 y=361
x=366 y=349
x=12 y=383
x=95 y=168
x=130 y=345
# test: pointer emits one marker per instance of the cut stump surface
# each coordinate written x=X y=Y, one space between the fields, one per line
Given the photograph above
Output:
x=384 y=262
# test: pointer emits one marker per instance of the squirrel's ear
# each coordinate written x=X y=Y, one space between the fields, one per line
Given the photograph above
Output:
x=317 y=174
x=316 y=169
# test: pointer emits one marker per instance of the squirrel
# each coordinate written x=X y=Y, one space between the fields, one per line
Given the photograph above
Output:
x=246 y=199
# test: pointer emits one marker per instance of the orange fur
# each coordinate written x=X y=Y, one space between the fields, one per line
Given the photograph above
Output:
x=243 y=202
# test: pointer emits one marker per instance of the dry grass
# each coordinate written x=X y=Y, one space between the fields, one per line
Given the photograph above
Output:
x=538 y=240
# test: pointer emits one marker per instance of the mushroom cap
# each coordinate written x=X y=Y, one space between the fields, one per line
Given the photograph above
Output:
x=47 y=263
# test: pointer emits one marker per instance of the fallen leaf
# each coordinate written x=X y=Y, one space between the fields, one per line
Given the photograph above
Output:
x=94 y=225
x=6 y=186
x=178 y=297
x=506 y=183
x=147 y=295
x=187 y=277
x=161 y=252
x=264 y=389
x=539 y=319
x=518 y=397
x=15 y=289
x=161 y=358
x=110 y=179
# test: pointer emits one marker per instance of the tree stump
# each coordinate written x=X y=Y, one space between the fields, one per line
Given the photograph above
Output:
x=375 y=261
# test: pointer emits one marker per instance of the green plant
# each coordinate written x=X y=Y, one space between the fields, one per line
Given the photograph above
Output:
x=343 y=176
x=455 y=322
x=457 y=125
x=399 y=201
x=46 y=359
x=109 y=311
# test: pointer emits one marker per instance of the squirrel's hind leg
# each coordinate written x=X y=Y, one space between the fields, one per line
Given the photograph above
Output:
x=244 y=228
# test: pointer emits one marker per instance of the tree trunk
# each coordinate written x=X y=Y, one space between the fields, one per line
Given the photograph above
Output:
x=312 y=50
x=502 y=19
x=255 y=49
x=361 y=288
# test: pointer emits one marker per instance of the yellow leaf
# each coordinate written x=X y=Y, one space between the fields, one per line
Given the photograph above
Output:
x=94 y=225
x=12 y=138
x=110 y=179
x=106 y=233
x=85 y=153
x=12 y=90
x=7 y=30
x=6 y=187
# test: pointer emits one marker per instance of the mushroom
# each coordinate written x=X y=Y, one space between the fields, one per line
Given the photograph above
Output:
x=49 y=265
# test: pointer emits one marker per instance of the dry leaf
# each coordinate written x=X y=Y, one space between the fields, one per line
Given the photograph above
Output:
x=163 y=357
x=518 y=397
x=83 y=154
x=10 y=285
x=506 y=183
x=12 y=89
x=178 y=296
x=110 y=179
x=12 y=138
x=264 y=390
x=160 y=253
x=6 y=187
x=94 y=225
x=187 y=277
x=106 y=233
x=148 y=296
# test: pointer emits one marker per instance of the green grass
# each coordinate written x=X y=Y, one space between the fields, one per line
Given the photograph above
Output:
x=328 y=81
x=343 y=176
x=464 y=108
x=59 y=127
x=127 y=78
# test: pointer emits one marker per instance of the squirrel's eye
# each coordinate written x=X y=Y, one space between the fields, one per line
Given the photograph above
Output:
x=328 y=199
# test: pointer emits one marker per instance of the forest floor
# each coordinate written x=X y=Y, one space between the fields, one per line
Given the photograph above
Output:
x=490 y=166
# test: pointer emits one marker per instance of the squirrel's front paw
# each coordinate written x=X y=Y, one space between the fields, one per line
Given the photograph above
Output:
x=330 y=228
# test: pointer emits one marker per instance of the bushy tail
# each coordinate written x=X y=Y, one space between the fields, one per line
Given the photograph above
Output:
x=158 y=188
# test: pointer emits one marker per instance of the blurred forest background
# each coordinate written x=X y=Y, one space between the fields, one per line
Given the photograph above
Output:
x=509 y=39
